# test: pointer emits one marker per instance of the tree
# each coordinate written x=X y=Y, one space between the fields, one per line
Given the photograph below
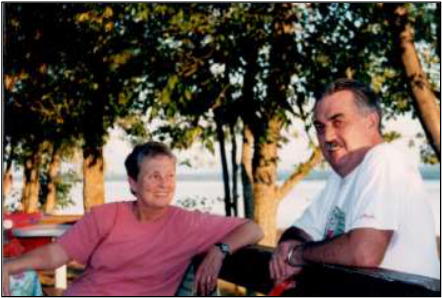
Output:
x=78 y=76
x=422 y=91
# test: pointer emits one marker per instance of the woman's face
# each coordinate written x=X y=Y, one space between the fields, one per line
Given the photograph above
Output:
x=155 y=185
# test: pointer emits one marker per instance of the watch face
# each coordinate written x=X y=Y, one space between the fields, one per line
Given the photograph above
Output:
x=225 y=249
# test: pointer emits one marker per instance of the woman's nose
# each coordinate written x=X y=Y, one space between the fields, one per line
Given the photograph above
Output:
x=165 y=181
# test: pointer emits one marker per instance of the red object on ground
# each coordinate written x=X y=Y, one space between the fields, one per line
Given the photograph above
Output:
x=22 y=219
x=34 y=242
x=282 y=287
x=13 y=248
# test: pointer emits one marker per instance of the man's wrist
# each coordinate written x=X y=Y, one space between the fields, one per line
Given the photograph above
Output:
x=295 y=256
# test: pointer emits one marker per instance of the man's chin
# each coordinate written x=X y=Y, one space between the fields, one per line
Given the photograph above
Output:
x=338 y=163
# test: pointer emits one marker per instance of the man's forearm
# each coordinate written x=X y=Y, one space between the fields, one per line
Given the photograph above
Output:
x=362 y=248
x=333 y=251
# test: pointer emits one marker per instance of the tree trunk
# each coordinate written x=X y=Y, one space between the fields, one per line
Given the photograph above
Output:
x=234 y=172
x=246 y=171
x=7 y=181
x=31 y=187
x=93 y=177
x=264 y=180
x=425 y=101
x=222 y=148
x=54 y=166
x=7 y=175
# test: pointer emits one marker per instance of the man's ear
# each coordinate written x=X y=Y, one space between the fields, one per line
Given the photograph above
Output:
x=132 y=184
x=373 y=120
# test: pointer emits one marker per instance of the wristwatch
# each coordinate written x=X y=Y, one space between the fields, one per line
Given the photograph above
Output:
x=224 y=248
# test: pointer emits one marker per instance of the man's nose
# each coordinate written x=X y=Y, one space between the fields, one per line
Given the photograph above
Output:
x=329 y=134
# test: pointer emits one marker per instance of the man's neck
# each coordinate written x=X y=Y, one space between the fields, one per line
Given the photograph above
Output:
x=358 y=157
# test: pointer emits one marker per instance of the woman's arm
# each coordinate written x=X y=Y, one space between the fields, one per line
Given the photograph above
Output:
x=246 y=234
x=207 y=274
x=46 y=257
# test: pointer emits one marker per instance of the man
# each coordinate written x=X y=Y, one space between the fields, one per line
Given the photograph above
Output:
x=372 y=212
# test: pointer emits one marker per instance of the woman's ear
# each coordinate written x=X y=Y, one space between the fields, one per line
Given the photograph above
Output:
x=133 y=185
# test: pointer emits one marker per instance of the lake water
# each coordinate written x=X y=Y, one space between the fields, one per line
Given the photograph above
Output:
x=207 y=196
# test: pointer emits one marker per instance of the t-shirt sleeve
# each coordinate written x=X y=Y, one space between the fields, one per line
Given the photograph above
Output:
x=81 y=239
x=210 y=229
x=378 y=193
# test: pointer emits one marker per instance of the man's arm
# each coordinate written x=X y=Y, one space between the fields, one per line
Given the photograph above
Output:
x=278 y=266
x=294 y=233
x=363 y=247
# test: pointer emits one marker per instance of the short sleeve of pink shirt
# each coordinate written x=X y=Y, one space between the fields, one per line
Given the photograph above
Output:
x=208 y=229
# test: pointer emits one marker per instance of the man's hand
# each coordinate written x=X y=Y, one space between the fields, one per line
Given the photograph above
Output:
x=280 y=270
x=207 y=274
x=5 y=281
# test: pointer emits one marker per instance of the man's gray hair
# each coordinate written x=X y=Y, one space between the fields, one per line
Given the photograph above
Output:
x=365 y=98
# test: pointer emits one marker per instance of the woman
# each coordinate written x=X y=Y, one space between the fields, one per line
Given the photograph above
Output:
x=142 y=247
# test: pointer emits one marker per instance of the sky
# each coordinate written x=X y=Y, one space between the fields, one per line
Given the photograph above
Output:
x=294 y=152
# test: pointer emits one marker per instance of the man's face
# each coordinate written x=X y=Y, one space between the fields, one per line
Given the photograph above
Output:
x=344 y=132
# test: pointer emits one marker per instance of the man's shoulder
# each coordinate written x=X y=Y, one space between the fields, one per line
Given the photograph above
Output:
x=386 y=153
x=388 y=158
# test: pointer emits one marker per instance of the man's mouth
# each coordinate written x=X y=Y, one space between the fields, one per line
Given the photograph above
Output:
x=331 y=147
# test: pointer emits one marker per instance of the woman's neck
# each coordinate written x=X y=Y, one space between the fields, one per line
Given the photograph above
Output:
x=145 y=213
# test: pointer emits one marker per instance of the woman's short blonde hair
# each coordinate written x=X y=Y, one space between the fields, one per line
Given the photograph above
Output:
x=142 y=151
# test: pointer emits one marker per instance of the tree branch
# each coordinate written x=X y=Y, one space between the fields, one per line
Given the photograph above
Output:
x=302 y=171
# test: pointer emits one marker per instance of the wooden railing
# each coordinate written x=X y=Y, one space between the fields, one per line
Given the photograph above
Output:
x=249 y=268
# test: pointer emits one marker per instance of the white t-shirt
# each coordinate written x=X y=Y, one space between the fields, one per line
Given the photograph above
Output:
x=386 y=192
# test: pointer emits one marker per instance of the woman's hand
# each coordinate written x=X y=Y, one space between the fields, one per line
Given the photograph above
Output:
x=207 y=274
x=5 y=281
x=280 y=270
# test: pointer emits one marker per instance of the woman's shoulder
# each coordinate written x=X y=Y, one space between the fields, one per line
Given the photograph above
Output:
x=177 y=211
x=110 y=207
x=189 y=216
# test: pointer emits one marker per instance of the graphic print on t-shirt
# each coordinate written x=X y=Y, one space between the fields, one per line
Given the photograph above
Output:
x=335 y=223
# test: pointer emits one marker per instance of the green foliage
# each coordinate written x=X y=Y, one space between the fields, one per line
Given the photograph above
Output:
x=63 y=185
x=390 y=136
x=198 y=203
x=74 y=70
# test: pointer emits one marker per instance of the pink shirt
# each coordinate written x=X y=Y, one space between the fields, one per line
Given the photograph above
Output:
x=139 y=258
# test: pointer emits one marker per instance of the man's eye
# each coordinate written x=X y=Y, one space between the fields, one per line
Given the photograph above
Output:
x=319 y=127
x=337 y=123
